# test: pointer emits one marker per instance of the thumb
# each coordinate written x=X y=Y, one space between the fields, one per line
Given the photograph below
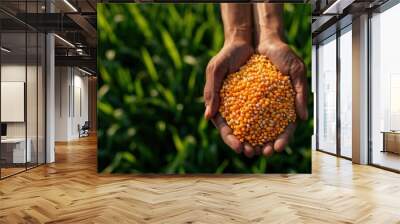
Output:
x=211 y=100
x=215 y=73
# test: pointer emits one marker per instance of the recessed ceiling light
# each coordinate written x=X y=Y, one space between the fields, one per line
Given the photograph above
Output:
x=70 y=5
x=84 y=71
x=337 y=7
x=5 y=50
x=65 y=41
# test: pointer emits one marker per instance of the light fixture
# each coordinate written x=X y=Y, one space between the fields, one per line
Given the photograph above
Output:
x=84 y=71
x=5 y=50
x=65 y=41
x=79 y=44
x=70 y=5
x=337 y=7
x=80 y=51
x=331 y=7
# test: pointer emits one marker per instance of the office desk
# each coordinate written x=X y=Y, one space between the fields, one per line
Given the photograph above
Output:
x=15 y=148
x=391 y=141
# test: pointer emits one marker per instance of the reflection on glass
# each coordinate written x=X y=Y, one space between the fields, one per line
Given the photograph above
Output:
x=327 y=95
x=41 y=99
x=22 y=90
x=15 y=151
x=31 y=100
x=346 y=92
x=385 y=93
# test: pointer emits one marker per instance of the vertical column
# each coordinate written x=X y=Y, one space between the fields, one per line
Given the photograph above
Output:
x=360 y=90
x=50 y=92
x=338 y=76
x=314 y=92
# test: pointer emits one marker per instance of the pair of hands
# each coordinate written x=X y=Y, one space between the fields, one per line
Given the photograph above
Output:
x=230 y=58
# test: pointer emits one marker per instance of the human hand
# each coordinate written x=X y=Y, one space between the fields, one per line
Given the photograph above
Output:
x=283 y=57
x=229 y=59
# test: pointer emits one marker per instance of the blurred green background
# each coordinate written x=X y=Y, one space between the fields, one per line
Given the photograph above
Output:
x=152 y=59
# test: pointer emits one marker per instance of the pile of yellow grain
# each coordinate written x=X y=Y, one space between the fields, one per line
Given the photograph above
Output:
x=257 y=102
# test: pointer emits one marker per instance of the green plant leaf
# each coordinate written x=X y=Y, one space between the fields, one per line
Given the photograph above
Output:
x=169 y=97
x=200 y=34
x=171 y=48
x=141 y=21
x=139 y=89
x=222 y=167
x=148 y=62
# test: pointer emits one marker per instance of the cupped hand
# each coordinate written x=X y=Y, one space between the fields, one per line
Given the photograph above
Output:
x=228 y=60
x=283 y=57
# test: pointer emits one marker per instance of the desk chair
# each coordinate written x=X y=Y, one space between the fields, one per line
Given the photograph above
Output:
x=84 y=130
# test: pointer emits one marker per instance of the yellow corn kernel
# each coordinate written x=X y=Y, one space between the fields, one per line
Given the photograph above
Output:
x=257 y=101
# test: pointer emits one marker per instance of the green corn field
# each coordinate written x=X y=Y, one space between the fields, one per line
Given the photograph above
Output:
x=151 y=61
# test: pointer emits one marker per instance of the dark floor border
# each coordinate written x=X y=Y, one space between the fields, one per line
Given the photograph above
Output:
x=369 y=164
x=29 y=168
x=385 y=168
x=333 y=154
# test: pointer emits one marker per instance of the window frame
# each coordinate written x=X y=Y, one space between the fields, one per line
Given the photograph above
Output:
x=339 y=32
x=378 y=10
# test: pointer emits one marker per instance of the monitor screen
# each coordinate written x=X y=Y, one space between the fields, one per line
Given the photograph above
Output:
x=3 y=129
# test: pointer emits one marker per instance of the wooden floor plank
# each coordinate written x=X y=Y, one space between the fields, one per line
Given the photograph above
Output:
x=70 y=191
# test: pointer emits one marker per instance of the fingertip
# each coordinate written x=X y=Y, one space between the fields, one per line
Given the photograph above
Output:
x=211 y=110
x=280 y=144
x=248 y=150
x=207 y=113
x=234 y=143
x=268 y=150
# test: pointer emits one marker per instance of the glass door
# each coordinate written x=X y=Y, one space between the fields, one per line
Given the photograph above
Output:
x=14 y=153
x=345 y=59
x=22 y=91
x=326 y=89
x=385 y=89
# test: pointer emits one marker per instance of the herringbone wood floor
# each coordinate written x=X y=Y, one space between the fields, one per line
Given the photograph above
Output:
x=70 y=191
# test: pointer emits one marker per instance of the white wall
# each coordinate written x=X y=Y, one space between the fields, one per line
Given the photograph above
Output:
x=80 y=100
x=9 y=73
x=71 y=94
x=62 y=81
x=14 y=72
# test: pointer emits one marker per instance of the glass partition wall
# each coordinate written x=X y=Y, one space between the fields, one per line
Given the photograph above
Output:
x=326 y=75
x=334 y=94
x=13 y=110
x=345 y=91
x=22 y=89
x=385 y=89
x=334 y=115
